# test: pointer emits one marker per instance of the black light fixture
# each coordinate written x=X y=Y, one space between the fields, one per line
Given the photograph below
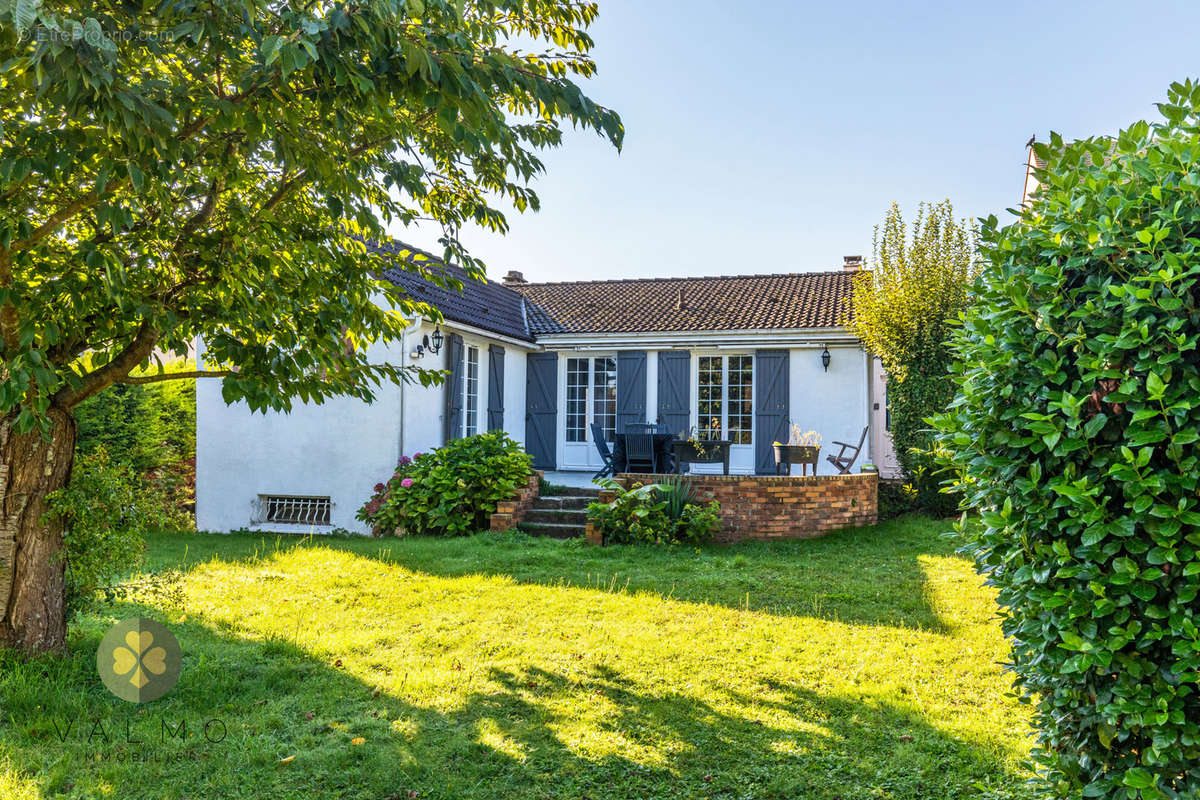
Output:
x=826 y=358
x=436 y=344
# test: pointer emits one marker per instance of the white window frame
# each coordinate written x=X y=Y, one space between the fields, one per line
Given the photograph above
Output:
x=470 y=371
x=703 y=429
x=590 y=397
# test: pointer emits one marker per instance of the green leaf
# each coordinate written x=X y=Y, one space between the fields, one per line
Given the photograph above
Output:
x=1138 y=778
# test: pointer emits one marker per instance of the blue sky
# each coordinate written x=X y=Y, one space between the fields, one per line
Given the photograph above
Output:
x=772 y=136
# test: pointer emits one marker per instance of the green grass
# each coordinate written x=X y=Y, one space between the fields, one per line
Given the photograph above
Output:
x=861 y=665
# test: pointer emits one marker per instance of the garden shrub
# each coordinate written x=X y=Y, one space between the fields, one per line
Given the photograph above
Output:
x=657 y=513
x=108 y=513
x=1076 y=436
x=904 y=308
x=152 y=428
x=451 y=491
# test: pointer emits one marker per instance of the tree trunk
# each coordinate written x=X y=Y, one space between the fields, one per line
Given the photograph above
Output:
x=32 y=601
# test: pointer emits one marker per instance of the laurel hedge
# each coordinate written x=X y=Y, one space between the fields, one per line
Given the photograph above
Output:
x=1075 y=435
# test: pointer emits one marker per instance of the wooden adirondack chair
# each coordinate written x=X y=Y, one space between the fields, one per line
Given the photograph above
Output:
x=846 y=457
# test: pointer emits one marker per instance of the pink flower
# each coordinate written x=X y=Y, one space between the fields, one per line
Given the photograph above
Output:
x=417 y=455
x=407 y=482
x=379 y=487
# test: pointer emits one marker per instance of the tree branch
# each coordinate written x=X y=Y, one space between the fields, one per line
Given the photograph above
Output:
x=138 y=380
x=137 y=351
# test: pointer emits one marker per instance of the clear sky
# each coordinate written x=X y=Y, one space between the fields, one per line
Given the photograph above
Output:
x=771 y=136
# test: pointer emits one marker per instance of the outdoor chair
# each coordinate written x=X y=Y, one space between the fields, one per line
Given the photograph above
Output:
x=606 y=455
x=846 y=457
x=639 y=427
x=639 y=449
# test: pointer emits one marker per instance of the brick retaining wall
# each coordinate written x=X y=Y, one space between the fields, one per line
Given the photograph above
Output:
x=510 y=512
x=781 y=507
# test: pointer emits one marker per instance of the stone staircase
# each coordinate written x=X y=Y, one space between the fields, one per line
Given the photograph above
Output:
x=561 y=516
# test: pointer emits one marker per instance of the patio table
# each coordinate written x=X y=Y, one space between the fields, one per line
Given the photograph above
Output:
x=662 y=451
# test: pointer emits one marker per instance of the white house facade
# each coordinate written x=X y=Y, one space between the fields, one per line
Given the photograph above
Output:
x=740 y=359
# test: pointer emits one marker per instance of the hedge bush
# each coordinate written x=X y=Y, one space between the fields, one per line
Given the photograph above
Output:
x=450 y=491
x=1076 y=436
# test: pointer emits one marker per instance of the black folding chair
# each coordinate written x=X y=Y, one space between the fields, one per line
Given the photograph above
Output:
x=639 y=449
x=846 y=457
x=606 y=455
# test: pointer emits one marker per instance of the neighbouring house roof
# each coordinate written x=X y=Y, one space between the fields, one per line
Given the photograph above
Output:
x=481 y=304
x=739 y=302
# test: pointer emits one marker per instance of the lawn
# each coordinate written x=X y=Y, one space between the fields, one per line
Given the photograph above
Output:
x=861 y=665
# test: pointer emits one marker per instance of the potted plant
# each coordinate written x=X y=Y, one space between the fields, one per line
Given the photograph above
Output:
x=693 y=450
x=802 y=448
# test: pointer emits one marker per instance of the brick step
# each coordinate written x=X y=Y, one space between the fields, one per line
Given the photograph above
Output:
x=557 y=516
x=575 y=491
x=553 y=531
x=573 y=503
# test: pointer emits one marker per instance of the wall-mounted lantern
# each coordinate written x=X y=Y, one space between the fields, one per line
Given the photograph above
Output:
x=826 y=358
x=435 y=345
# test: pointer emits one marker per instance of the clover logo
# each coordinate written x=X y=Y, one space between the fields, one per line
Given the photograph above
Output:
x=138 y=660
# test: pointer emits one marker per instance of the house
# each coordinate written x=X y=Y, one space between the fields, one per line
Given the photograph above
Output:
x=738 y=357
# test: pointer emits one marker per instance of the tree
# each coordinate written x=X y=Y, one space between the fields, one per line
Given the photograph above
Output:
x=210 y=169
x=904 y=307
x=1075 y=436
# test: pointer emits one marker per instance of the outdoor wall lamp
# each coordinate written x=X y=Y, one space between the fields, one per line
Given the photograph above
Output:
x=826 y=358
x=433 y=346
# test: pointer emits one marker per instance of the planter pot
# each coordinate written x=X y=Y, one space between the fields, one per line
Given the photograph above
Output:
x=711 y=454
x=796 y=454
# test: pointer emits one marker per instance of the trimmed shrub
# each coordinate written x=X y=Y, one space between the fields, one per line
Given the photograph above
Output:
x=108 y=513
x=658 y=513
x=1076 y=437
x=451 y=491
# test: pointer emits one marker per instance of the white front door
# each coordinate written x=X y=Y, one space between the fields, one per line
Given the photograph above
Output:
x=589 y=398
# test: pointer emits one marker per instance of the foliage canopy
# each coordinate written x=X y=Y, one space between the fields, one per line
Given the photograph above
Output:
x=207 y=168
x=1076 y=436
x=904 y=308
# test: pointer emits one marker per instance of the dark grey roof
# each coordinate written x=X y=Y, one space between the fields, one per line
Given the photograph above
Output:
x=482 y=304
x=731 y=302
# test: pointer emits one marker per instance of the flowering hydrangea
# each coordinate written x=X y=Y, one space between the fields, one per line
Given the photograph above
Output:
x=407 y=482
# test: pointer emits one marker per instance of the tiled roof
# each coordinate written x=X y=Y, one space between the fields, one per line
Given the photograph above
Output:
x=485 y=305
x=741 y=302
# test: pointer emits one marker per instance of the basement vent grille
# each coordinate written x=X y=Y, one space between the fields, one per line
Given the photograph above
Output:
x=293 y=510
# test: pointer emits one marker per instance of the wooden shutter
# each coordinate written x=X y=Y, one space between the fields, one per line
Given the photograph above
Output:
x=495 y=406
x=770 y=406
x=541 y=409
x=631 y=388
x=454 y=387
x=675 y=390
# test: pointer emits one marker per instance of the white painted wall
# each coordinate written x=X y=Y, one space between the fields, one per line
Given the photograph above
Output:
x=339 y=449
x=833 y=403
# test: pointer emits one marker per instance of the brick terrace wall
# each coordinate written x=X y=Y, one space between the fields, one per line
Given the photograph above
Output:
x=783 y=507
x=510 y=512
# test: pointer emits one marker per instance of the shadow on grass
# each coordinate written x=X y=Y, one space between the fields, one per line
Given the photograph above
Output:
x=867 y=576
x=290 y=725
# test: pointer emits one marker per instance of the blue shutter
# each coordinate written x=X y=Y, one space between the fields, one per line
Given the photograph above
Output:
x=675 y=391
x=454 y=387
x=495 y=406
x=631 y=388
x=541 y=409
x=770 y=406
